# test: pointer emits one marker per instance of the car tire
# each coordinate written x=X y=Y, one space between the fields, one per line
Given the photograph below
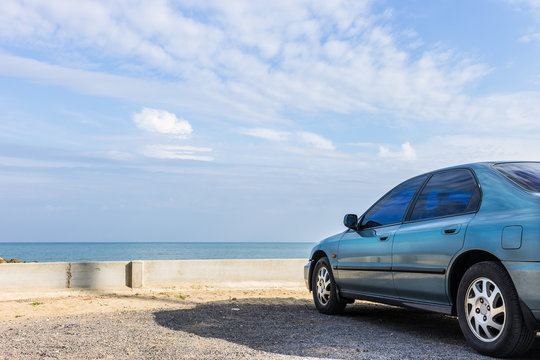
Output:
x=325 y=291
x=489 y=312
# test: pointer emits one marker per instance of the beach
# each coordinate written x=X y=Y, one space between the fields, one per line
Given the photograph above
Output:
x=215 y=323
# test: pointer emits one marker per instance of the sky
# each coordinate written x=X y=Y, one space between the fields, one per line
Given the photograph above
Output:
x=249 y=120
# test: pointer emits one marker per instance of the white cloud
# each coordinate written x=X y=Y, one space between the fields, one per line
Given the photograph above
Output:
x=530 y=38
x=316 y=140
x=457 y=149
x=177 y=152
x=195 y=97
x=255 y=63
x=39 y=163
x=162 y=122
x=252 y=61
x=533 y=4
x=313 y=140
x=407 y=152
x=268 y=134
x=113 y=155
x=517 y=112
x=531 y=7
x=362 y=144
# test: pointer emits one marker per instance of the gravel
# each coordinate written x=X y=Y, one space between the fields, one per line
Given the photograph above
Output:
x=235 y=329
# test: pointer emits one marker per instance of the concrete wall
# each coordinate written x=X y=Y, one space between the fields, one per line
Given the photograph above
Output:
x=99 y=274
x=223 y=272
x=32 y=276
x=153 y=273
x=61 y=275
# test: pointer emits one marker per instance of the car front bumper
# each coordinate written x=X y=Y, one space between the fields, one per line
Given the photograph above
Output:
x=306 y=274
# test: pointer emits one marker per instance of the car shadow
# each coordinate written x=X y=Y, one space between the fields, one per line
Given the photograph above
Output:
x=294 y=327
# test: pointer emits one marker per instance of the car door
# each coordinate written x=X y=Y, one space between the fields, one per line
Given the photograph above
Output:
x=432 y=234
x=364 y=258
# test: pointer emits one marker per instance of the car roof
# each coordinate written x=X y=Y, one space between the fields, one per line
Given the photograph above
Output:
x=476 y=165
x=473 y=166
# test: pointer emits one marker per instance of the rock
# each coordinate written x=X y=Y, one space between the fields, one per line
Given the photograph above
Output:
x=2 y=261
x=13 y=261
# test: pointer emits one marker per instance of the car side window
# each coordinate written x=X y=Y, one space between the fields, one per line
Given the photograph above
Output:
x=391 y=207
x=448 y=193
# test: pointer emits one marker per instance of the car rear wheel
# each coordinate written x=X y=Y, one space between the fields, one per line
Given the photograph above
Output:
x=489 y=312
x=325 y=292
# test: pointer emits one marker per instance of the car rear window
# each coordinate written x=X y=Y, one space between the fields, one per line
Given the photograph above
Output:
x=525 y=174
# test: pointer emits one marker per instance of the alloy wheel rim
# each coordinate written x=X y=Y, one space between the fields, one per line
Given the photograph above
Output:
x=485 y=309
x=323 y=286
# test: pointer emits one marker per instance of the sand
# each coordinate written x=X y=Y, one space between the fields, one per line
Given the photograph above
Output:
x=18 y=306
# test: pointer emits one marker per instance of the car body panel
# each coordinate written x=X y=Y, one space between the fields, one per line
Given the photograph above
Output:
x=365 y=260
x=526 y=278
x=327 y=247
x=421 y=255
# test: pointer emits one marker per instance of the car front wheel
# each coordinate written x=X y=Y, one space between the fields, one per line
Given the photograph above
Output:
x=325 y=292
x=489 y=312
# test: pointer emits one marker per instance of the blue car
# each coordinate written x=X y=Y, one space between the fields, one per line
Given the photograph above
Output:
x=462 y=241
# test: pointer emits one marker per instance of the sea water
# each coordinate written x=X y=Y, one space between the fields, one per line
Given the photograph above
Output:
x=125 y=251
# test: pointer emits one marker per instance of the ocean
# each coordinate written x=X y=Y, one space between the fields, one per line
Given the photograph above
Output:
x=125 y=251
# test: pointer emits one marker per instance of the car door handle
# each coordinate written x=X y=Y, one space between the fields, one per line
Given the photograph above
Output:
x=382 y=238
x=451 y=229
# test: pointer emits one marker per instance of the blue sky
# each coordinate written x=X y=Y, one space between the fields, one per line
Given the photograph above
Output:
x=249 y=121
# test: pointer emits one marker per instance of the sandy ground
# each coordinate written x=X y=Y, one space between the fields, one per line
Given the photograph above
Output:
x=20 y=306
x=219 y=324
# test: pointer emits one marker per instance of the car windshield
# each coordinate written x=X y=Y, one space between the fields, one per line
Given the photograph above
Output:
x=525 y=174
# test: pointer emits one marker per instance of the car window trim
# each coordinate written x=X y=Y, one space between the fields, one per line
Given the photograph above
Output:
x=408 y=220
x=378 y=227
x=440 y=217
x=412 y=203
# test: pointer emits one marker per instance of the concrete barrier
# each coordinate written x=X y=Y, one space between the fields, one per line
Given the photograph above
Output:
x=152 y=273
x=268 y=272
x=99 y=274
x=34 y=276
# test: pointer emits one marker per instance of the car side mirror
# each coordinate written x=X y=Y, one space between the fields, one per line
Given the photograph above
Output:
x=350 y=221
